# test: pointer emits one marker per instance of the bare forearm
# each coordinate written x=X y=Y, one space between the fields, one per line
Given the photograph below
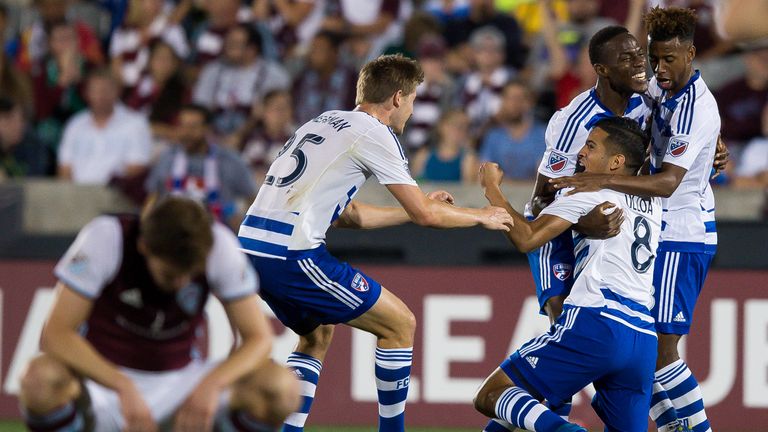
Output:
x=365 y=216
x=656 y=185
x=521 y=233
x=250 y=355
x=71 y=349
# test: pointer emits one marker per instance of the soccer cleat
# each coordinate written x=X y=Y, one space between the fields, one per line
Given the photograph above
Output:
x=570 y=427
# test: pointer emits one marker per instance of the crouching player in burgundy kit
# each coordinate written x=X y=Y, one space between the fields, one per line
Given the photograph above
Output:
x=606 y=333
x=119 y=345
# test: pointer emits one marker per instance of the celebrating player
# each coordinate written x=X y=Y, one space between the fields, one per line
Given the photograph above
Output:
x=605 y=334
x=310 y=186
x=137 y=290
x=685 y=132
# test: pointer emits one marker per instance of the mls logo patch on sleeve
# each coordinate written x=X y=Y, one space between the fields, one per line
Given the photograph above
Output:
x=556 y=162
x=562 y=271
x=677 y=147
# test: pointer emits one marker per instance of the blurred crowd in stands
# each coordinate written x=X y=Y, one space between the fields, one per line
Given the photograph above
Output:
x=199 y=96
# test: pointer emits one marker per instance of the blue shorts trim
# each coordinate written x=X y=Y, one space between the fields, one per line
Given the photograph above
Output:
x=311 y=288
x=584 y=346
x=677 y=281
x=552 y=268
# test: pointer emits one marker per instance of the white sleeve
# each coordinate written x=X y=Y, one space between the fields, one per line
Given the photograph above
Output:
x=66 y=150
x=573 y=207
x=693 y=131
x=754 y=158
x=380 y=152
x=561 y=154
x=94 y=258
x=140 y=151
x=228 y=271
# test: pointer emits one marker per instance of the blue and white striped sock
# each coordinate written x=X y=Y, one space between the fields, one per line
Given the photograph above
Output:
x=393 y=373
x=662 y=411
x=563 y=410
x=684 y=392
x=516 y=406
x=496 y=425
x=307 y=369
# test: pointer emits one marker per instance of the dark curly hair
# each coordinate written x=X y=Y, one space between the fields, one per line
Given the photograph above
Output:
x=665 y=24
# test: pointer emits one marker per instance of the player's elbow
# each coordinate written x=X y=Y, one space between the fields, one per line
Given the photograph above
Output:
x=525 y=247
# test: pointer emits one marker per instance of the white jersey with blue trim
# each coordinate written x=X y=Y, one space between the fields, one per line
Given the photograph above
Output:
x=617 y=272
x=315 y=176
x=684 y=133
x=569 y=127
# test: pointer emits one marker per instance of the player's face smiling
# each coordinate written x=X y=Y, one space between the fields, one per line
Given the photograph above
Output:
x=671 y=63
x=593 y=156
x=627 y=73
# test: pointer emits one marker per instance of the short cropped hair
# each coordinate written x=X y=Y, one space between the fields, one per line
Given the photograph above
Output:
x=666 y=24
x=386 y=75
x=600 y=39
x=625 y=137
x=200 y=109
x=179 y=231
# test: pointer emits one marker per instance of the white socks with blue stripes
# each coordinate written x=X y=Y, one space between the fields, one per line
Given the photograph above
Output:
x=519 y=408
x=684 y=392
x=307 y=369
x=393 y=372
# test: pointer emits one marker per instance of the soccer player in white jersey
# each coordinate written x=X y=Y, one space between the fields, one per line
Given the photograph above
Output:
x=685 y=129
x=310 y=186
x=606 y=333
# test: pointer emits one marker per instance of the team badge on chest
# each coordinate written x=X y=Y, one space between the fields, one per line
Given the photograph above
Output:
x=189 y=298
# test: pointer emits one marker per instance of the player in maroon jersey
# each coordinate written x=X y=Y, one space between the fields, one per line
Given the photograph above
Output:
x=119 y=350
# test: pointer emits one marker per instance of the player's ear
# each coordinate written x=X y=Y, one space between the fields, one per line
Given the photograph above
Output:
x=617 y=162
x=691 y=54
x=600 y=69
x=397 y=99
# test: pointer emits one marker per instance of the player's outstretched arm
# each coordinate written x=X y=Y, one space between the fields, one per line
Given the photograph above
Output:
x=359 y=215
x=249 y=321
x=662 y=184
x=438 y=214
x=62 y=340
x=526 y=236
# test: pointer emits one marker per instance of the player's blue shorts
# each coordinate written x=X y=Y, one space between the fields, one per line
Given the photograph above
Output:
x=588 y=345
x=677 y=281
x=312 y=287
x=552 y=268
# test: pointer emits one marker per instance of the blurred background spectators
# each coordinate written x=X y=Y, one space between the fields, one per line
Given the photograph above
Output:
x=495 y=71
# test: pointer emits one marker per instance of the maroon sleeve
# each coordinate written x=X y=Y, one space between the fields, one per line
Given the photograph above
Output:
x=391 y=6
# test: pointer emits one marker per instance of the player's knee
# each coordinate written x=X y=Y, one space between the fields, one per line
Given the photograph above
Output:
x=270 y=394
x=319 y=339
x=47 y=383
x=667 y=351
x=554 y=307
x=483 y=403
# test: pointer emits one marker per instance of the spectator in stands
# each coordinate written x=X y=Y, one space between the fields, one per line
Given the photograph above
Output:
x=452 y=158
x=5 y=45
x=267 y=132
x=752 y=170
x=15 y=85
x=446 y=11
x=231 y=85
x=481 y=88
x=107 y=142
x=434 y=95
x=286 y=21
x=324 y=83
x=201 y=170
x=21 y=153
x=370 y=32
x=147 y=21
x=161 y=91
x=33 y=41
x=483 y=13
x=741 y=101
x=222 y=15
x=516 y=140
x=58 y=83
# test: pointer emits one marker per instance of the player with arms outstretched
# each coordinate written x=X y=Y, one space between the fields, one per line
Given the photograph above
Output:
x=606 y=334
x=310 y=186
x=685 y=129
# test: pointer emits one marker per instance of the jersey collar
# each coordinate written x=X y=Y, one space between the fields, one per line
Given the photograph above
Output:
x=671 y=103
x=634 y=102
